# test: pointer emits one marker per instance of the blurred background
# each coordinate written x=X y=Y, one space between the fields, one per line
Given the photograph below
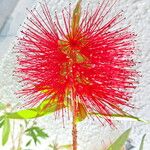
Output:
x=12 y=14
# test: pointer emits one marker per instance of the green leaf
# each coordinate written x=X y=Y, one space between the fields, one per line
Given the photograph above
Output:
x=2 y=106
x=2 y=123
x=119 y=116
x=33 y=136
x=35 y=133
x=28 y=143
x=46 y=107
x=142 y=142
x=6 y=131
x=1 y=118
x=39 y=131
x=119 y=143
x=22 y=114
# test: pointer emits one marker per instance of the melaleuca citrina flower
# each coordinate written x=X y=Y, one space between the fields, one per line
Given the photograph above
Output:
x=85 y=58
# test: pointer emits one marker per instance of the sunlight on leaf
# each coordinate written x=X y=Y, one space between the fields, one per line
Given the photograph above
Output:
x=48 y=107
x=119 y=143
x=43 y=109
x=23 y=114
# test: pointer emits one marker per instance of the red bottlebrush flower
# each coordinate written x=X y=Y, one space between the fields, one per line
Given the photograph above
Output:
x=86 y=58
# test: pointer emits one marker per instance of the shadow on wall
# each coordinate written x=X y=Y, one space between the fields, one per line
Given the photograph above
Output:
x=6 y=8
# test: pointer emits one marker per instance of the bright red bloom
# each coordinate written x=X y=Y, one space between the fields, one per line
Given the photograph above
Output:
x=85 y=58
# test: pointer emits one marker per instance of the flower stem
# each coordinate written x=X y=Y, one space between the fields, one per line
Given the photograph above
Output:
x=74 y=126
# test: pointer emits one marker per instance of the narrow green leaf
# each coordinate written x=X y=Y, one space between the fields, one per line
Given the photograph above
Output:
x=1 y=118
x=68 y=146
x=41 y=133
x=119 y=143
x=142 y=142
x=119 y=116
x=22 y=114
x=35 y=133
x=31 y=133
x=2 y=123
x=48 y=107
x=6 y=131
x=35 y=138
x=43 y=109
x=38 y=131
x=28 y=143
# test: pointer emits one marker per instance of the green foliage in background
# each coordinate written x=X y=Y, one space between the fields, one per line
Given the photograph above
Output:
x=35 y=133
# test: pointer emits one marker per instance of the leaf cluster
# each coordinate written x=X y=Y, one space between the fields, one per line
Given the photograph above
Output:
x=35 y=133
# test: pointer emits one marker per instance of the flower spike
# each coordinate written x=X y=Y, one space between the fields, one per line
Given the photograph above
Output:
x=86 y=59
